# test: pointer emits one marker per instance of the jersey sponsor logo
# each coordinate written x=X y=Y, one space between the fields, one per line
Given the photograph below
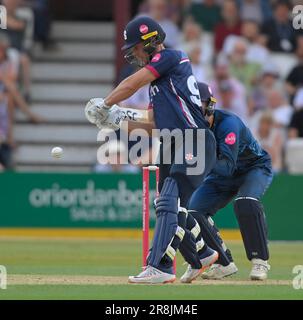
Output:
x=230 y=138
x=153 y=90
x=143 y=28
x=156 y=58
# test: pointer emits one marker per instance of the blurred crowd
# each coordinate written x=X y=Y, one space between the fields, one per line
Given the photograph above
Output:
x=250 y=54
x=27 y=22
x=247 y=50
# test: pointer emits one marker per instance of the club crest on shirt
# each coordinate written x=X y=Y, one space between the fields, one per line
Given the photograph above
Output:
x=156 y=58
x=230 y=138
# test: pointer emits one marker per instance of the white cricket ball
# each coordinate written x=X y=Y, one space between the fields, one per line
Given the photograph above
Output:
x=57 y=152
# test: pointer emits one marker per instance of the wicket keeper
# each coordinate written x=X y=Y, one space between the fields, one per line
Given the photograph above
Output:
x=242 y=174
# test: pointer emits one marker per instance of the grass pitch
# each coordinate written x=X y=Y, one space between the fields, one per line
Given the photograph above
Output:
x=98 y=269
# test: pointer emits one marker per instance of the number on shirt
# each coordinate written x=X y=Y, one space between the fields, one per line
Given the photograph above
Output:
x=193 y=88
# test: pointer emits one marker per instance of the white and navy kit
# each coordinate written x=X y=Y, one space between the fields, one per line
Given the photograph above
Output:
x=174 y=95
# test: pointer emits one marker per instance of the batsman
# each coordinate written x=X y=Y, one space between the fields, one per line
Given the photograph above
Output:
x=174 y=104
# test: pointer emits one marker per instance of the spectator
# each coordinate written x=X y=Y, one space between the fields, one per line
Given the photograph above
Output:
x=197 y=67
x=279 y=30
x=157 y=9
x=116 y=158
x=6 y=148
x=15 y=26
x=251 y=10
x=25 y=13
x=281 y=111
x=206 y=13
x=229 y=101
x=271 y=140
x=222 y=73
x=173 y=9
x=8 y=81
x=16 y=31
x=246 y=72
x=256 y=49
x=42 y=22
x=266 y=9
x=192 y=36
x=296 y=123
x=6 y=140
x=6 y=124
x=295 y=78
x=269 y=80
x=231 y=24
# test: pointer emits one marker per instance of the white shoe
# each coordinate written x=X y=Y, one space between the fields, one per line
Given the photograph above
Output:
x=192 y=274
x=209 y=261
x=259 y=269
x=217 y=271
x=152 y=275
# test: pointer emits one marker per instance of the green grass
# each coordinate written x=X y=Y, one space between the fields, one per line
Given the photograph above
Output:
x=122 y=258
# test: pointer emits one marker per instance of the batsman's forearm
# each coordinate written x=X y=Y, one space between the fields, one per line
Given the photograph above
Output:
x=120 y=93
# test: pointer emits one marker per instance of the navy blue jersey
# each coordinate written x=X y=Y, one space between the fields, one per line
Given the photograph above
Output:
x=237 y=150
x=174 y=95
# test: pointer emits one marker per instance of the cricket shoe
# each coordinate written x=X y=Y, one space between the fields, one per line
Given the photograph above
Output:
x=217 y=271
x=192 y=274
x=259 y=269
x=152 y=275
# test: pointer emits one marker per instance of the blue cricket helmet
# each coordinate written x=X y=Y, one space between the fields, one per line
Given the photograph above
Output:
x=142 y=29
x=207 y=97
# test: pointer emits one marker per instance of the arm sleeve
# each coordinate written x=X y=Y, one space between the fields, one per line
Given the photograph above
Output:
x=162 y=63
x=228 y=148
